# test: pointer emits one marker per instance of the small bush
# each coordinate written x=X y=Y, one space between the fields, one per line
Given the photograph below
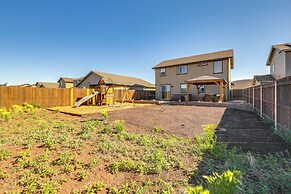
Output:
x=197 y=190
x=119 y=126
x=227 y=183
x=5 y=115
x=157 y=129
x=4 y=154
x=104 y=114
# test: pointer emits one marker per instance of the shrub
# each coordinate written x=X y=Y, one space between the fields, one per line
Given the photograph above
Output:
x=197 y=190
x=157 y=129
x=119 y=126
x=5 y=115
x=4 y=154
x=104 y=114
x=227 y=183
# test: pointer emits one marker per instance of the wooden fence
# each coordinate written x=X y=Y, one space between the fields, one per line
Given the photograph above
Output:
x=272 y=100
x=50 y=97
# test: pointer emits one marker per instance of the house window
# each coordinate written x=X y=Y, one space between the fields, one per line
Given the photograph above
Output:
x=61 y=85
x=163 y=72
x=201 y=89
x=273 y=67
x=217 y=67
x=165 y=91
x=182 y=69
x=183 y=88
x=201 y=64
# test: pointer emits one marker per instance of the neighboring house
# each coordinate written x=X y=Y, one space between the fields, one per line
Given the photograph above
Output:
x=95 y=79
x=66 y=82
x=3 y=84
x=171 y=75
x=46 y=85
x=279 y=60
x=261 y=79
x=241 y=84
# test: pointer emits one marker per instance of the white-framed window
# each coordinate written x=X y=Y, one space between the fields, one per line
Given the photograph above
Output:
x=163 y=72
x=183 y=88
x=217 y=67
x=201 y=64
x=183 y=69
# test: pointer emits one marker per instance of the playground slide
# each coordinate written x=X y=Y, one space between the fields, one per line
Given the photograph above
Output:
x=84 y=99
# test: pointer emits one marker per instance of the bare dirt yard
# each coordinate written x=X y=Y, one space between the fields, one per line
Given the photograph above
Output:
x=186 y=121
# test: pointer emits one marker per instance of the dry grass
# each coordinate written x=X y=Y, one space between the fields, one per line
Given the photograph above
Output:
x=96 y=109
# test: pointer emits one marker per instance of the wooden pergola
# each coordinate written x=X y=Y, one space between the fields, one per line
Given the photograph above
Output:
x=207 y=80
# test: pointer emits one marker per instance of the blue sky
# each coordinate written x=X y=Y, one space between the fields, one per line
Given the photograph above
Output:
x=44 y=40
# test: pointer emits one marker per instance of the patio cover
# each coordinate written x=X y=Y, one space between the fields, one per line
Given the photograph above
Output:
x=207 y=80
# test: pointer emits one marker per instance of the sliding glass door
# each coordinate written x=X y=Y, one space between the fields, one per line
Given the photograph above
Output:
x=165 y=91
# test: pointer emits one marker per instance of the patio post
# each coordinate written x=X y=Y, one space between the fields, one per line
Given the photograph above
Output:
x=220 y=92
x=187 y=90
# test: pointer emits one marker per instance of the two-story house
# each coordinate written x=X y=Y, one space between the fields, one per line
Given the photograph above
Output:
x=171 y=75
x=279 y=60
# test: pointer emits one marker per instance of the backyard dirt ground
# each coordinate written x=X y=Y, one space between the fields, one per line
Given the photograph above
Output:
x=186 y=121
x=238 y=125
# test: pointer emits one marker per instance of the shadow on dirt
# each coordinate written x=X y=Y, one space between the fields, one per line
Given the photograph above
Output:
x=246 y=130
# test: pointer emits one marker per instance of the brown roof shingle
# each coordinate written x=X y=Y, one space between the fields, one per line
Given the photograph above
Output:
x=121 y=80
x=197 y=58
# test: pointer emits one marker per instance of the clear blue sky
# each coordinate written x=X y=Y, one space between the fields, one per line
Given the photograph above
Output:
x=42 y=40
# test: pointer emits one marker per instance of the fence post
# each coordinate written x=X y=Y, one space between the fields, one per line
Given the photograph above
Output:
x=72 y=96
x=261 y=100
x=275 y=104
x=253 y=98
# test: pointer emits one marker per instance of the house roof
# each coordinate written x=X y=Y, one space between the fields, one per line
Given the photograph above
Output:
x=47 y=84
x=280 y=48
x=241 y=84
x=109 y=78
x=205 y=79
x=264 y=78
x=198 y=58
x=69 y=79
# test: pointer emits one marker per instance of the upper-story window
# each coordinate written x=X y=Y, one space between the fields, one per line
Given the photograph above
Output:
x=201 y=64
x=163 y=72
x=217 y=67
x=183 y=69
x=272 y=67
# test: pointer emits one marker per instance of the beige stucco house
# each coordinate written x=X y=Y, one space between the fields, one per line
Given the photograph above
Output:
x=279 y=60
x=171 y=75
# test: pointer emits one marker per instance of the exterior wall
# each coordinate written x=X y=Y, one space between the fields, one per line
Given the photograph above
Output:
x=288 y=63
x=279 y=61
x=92 y=79
x=193 y=71
x=63 y=84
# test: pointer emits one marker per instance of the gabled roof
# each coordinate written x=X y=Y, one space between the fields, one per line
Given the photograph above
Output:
x=198 y=58
x=264 y=78
x=109 y=78
x=280 y=48
x=69 y=80
x=47 y=84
